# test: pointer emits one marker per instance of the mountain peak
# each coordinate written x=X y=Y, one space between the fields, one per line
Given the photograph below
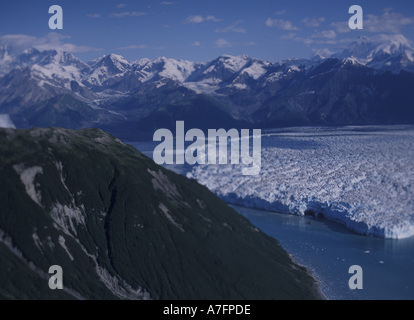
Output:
x=383 y=52
x=117 y=57
x=109 y=58
x=231 y=63
x=106 y=67
x=160 y=59
x=31 y=51
x=228 y=56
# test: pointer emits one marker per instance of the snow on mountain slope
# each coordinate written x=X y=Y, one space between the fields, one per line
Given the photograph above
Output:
x=384 y=52
x=112 y=76
x=56 y=68
x=256 y=69
x=106 y=68
x=222 y=69
x=5 y=60
x=226 y=71
x=234 y=63
x=163 y=68
x=361 y=178
x=176 y=69
x=206 y=86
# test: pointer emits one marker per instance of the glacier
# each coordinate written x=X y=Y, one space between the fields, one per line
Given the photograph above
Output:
x=361 y=177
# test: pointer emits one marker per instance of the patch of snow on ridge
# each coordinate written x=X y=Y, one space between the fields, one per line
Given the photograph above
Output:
x=362 y=179
x=177 y=69
x=62 y=243
x=6 y=122
x=240 y=86
x=168 y=215
x=234 y=63
x=27 y=177
x=66 y=216
x=8 y=242
x=256 y=70
x=37 y=240
x=121 y=288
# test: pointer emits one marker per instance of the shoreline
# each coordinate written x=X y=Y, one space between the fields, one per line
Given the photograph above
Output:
x=317 y=286
x=327 y=250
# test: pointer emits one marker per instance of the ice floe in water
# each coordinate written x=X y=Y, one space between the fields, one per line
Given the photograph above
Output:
x=362 y=177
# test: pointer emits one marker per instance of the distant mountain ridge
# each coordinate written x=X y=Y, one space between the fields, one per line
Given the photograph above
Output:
x=390 y=53
x=346 y=88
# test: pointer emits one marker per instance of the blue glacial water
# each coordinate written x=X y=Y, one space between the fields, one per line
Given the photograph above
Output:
x=328 y=250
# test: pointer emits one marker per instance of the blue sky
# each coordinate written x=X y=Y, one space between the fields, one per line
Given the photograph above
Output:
x=199 y=30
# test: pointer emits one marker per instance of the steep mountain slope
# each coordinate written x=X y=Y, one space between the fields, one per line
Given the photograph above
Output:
x=121 y=226
x=6 y=60
x=107 y=70
x=341 y=92
x=62 y=110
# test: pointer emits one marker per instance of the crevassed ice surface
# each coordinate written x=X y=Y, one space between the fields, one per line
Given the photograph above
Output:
x=361 y=177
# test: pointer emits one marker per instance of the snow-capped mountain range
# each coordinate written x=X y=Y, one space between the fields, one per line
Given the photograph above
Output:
x=60 y=68
x=393 y=53
x=291 y=92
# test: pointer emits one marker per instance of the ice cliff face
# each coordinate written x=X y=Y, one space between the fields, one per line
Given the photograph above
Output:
x=363 y=179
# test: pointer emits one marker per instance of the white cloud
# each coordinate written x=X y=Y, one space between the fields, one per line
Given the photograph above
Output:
x=341 y=26
x=288 y=36
x=94 y=15
x=200 y=19
x=212 y=18
x=304 y=40
x=322 y=37
x=281 y=12
x=167 y=3
x=323 y=53
x=388 y=22
x=132 y=47
x=223 y=43
x=121 y=5
x=396 y=39
x=327 y=34
x=52 y=40
x=233 y=28
x=281 y=24
x=314 y=22
x=127 y=14
x=194 y=19
x=196 y=44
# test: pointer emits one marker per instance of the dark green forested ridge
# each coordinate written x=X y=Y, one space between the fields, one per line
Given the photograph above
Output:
x=121 y=226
